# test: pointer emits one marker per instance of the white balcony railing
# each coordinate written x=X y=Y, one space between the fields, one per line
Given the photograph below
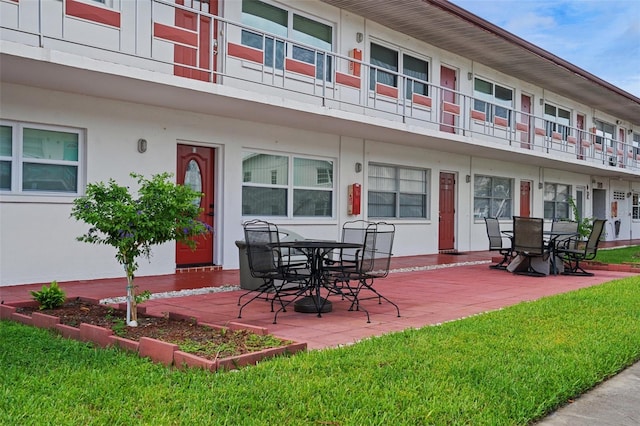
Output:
x=189 y=42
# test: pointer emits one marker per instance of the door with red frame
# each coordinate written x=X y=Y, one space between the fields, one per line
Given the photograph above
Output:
x=195 y=169
x=525 y=108
x=525 y=198
x=201 y=56
x=448 y=83
x=447 y=212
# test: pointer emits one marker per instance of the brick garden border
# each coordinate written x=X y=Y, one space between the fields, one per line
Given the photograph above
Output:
x=157 y=350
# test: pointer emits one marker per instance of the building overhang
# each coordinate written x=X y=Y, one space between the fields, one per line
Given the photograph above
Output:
x=449 y=27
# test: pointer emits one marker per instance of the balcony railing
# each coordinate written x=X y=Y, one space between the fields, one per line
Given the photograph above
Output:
x=189 y=42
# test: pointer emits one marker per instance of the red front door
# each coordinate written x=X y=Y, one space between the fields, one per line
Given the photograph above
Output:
x=201 y=56
x=195 y=169
x=448 y=83
x=525 y=198
x=447 y=201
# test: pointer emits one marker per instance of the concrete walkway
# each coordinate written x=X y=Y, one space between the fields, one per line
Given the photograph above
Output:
x=615 y=402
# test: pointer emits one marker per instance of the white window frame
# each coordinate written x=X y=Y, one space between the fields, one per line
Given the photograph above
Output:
x=401 y=73
x=306 y=43
x=495 y=105
x=494 y=198
x=397 y=192
x=603 y=137
x=555 y=123
x=556 y=202
x=290 y=186
x=18 y=160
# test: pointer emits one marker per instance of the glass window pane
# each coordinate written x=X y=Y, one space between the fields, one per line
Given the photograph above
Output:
x=482 y=186
x=5 y=175
x=412 y=205
x=312 y=32
x=312 y=173
x=481 y=208
x=501 y=187
x=265 y=17
x=562 y=194
x=49 y=177
x=259 y=201
x=50 y=145
x=550 y=110
x=312 y=203
x=6 y=141
x=265 y=168
x=504 y=94
x=482 y=86
x=382 y=204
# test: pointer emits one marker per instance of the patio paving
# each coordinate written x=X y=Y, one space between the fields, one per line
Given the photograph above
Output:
x=428 y=289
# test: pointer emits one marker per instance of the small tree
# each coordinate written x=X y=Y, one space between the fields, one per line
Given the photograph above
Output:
x=585 y=224
x=162 y=212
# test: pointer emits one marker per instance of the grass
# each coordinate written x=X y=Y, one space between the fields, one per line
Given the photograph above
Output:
x=619 y=255
x=506 y=367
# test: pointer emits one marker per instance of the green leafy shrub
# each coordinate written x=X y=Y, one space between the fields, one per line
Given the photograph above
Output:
x=50 y=297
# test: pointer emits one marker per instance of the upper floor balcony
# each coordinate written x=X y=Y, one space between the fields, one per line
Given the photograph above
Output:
x=186 y=40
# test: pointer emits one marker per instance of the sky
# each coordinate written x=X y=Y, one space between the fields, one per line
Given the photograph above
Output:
x=600 y=36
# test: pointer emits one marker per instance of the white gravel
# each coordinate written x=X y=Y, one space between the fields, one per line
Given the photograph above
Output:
x=207 y=290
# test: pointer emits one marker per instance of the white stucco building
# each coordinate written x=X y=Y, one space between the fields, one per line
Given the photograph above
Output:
x=279 y=106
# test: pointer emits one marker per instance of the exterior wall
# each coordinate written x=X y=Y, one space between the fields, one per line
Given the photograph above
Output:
x=38 y=236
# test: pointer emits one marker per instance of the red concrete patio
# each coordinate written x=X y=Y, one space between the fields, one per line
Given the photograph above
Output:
x=435 y=289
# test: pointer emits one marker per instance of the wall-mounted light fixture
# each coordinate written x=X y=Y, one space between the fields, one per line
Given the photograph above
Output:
x=628 y=194
x=618 y=121
x=540 y=185
x=541 y=101
x=467 y=178
x=359 y=37
x=470 y=75
x=142 y=145
x=358 y=167
x=629 y=131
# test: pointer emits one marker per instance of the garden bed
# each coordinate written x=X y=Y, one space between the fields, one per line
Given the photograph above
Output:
x=170 y=339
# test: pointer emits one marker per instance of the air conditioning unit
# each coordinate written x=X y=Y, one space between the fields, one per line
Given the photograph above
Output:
x=613 y=161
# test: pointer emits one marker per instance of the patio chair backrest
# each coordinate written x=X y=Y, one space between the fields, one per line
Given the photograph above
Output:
x=564 y=226
x=262 y=239
x=528 y=235
x=594 y=238
x=354 y=231
x=493 y=232
x=377 y=251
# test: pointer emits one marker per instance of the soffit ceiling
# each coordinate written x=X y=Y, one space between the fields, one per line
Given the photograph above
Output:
x=454 y=29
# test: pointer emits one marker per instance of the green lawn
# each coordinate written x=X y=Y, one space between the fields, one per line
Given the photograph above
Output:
x=506 y=367
x=619 y=255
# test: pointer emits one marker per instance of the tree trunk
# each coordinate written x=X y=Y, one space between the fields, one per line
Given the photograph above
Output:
x=132 y=309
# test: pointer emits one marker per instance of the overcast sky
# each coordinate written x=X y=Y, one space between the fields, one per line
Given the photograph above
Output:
x=600 y=36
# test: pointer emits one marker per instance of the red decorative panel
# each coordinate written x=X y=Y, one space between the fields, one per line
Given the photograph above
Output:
x=244 y=52
x=300 y=67
x=571 y=139
x=540 y=132
x=478 y=115
x=451 y=108
x=347 y=80
x=522 y=127
x=385 y=90
x=556 y=135
x=500 y=121
x=421 y=99
x=585 y=143
x=175 y=34
x=92 y=13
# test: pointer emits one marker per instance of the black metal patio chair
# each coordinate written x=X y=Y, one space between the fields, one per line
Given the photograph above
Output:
x=356 y=270
x=282 y=274
x=496 y=238
x=575 y=251
x=528 y=242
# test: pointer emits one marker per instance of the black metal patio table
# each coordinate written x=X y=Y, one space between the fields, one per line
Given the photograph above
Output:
x=316 y=252
x=553 y=245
